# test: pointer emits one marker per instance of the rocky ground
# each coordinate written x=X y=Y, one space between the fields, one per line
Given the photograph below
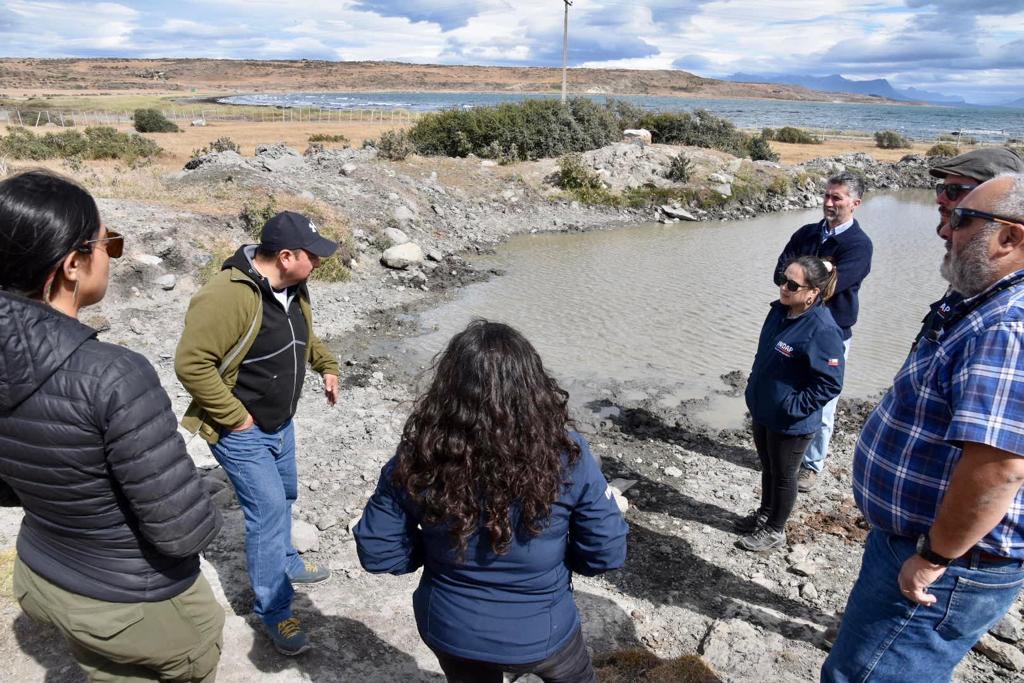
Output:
x=686 y=589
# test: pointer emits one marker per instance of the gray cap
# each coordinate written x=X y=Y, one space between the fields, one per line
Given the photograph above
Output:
x=980 y=164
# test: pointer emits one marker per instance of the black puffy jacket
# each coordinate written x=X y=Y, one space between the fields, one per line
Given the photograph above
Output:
x=114 y=508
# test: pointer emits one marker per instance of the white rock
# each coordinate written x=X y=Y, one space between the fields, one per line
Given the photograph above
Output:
x=167 y=281
x=804 y=569
x=402 y=256
x=348 y=169
x=403 y=214
x=147 y=259
x=675 y=212
x=395 y=236
x=673 y=472
x=637 y=135
x=305 y=536
x=620 y=500
x=808 y=591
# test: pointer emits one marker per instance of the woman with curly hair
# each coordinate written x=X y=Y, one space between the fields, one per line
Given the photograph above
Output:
x=499 y=503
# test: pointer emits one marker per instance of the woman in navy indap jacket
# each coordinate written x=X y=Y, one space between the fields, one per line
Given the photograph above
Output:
x=499 y=503
x=797 y=370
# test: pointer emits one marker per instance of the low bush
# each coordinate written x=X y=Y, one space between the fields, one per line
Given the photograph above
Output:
x=779 y=185
x=699 y=129
x=890 y=139
x=221 y=144
x=256 y=212
x=153 y=121
x=768 y=134
x=327 y=137
x=533 y=129
x=758 y=149
x=394 y=145
x=795 y=136
x=942 y=149
x=680 y=169
x=95 y=143
x=581 y=182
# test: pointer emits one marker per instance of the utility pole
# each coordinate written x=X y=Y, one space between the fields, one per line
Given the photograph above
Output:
x=565 y=47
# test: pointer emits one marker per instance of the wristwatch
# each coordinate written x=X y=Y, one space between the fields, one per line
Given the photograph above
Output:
x=924 y=549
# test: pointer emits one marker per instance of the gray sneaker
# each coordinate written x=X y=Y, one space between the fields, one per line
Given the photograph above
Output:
x=288 y=637
x=751 y=523
x=763 y=539
x=806 y=480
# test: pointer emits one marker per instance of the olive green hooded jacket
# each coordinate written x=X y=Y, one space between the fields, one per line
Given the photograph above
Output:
x=221 y=325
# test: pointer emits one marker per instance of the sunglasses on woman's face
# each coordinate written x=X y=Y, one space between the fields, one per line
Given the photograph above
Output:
x=791 y=285
x=961 y=217
x=114 y=242
x=953 y=191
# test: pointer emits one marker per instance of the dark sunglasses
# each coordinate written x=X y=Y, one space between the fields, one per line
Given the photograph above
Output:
x=115 y=244
x=791 y=285
x=960 y=217
x=953 y=191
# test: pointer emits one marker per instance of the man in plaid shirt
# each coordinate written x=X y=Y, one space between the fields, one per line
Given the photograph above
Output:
x=940 y=463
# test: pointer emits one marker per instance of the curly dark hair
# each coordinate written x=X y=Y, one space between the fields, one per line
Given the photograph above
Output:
x=484 y=444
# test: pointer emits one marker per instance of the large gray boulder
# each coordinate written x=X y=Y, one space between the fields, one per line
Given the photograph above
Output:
x=401 y=256
x=394 y=236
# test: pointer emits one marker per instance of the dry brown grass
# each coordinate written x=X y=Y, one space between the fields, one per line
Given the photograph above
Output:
x=178 y=147
x=798 y=154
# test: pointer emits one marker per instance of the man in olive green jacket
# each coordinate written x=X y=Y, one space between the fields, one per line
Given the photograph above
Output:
x=248 y=337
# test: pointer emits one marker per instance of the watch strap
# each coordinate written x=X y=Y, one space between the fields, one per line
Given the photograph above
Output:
x=924 y=549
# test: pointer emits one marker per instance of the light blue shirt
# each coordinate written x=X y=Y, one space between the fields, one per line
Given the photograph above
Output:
x=827 y=232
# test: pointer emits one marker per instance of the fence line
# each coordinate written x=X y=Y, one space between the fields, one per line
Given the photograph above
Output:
x=185 y=117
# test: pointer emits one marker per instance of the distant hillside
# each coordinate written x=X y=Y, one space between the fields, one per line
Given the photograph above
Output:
x=1019 y=102
x=22 y=77
x=878 y=87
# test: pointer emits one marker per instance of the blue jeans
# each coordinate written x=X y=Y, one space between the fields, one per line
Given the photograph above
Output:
x=261 y=466
x=814 y=456
x=886 y=637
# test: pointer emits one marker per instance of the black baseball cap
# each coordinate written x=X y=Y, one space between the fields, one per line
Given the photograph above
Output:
x=980 y=164
x=291 y=230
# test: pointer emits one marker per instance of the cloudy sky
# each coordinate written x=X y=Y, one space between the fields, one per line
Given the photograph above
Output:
x=971 y=48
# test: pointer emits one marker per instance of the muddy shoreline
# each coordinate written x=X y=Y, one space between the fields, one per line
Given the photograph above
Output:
x=685 y=589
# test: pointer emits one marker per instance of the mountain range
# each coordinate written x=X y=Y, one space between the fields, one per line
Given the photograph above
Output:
x=879 y=87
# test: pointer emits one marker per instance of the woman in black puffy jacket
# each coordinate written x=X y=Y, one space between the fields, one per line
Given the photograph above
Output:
x=115 y=513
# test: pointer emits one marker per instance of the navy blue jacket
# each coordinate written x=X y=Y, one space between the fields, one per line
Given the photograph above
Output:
x=851 y=252
x=797 y=370
x=508 y=609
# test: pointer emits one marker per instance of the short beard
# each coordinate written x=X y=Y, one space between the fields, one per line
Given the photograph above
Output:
x=970 y=272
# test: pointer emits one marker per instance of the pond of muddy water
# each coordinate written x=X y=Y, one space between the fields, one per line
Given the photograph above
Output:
x=670 y=308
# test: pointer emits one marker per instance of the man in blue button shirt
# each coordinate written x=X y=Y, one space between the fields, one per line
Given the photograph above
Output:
x=839 y=238
x=939 y=466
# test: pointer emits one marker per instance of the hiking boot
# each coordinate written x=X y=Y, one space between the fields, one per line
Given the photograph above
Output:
x=806 y=480
x=764 y=539
x=311 y=573
x=751 y=523
x=288 y=637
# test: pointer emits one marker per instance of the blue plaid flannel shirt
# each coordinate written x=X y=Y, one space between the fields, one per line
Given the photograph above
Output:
x=967 y=385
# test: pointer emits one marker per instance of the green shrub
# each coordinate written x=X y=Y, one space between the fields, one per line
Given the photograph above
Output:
x=533 y=129
x=256 y=212
x=942 y=149
x=758 y=149
x=153 y=121
x=699 y=129
x=392 y=144
x=95 y=143
x=890 y=139
x=327 y=137
x=768 y=134
x=680 y=169
x=581 y=182
x=795 y=136
x=779 y=185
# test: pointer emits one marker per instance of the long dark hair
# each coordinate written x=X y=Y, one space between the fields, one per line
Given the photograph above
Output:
x=488 y=435
x=43 y=217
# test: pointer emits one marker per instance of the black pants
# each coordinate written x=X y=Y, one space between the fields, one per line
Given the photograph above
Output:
x=571 y=664
x=780 y=456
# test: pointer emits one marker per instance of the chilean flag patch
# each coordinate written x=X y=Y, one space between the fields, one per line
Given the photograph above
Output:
x=833 y=362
